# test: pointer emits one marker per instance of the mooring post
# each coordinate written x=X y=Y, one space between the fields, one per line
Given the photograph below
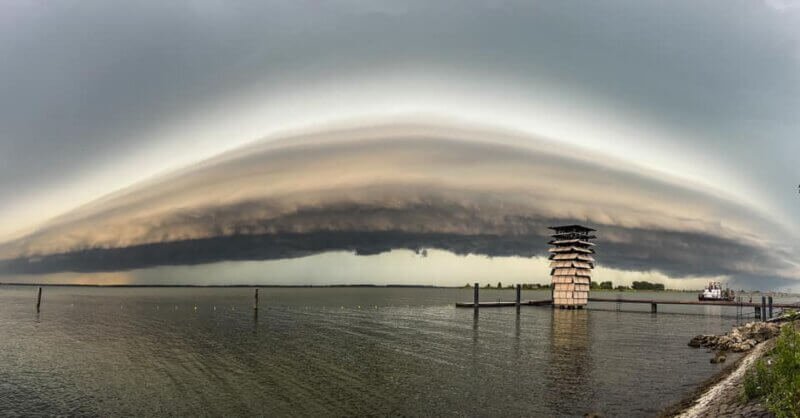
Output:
x=519 y=295
x=653 y=307
x=475 y=298
x=39 y=299
x=757 y=312
x=763 y=308
x=255 y=300
x=769 y=306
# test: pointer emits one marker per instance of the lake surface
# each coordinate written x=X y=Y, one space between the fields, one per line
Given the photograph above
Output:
x=342 y=351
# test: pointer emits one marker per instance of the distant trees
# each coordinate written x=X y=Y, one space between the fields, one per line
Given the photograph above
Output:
x=607 y=285
x=647 y=286
x=601 y=285
x=534 y=286
x=525 y=286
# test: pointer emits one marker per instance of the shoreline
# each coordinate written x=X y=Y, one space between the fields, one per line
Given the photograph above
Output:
x=721 y=394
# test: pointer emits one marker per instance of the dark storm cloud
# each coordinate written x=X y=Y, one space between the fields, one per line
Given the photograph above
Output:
x=84 y=83
x=673 y=253
x=86 y=86
x=373 y=189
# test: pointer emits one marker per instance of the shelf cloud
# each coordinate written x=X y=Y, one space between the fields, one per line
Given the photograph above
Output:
x=377 y=187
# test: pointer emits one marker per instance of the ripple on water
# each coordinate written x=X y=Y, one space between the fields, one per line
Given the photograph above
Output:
x=167 y=351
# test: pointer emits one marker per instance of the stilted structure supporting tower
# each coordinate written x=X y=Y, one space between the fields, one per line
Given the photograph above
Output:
x=571 y=265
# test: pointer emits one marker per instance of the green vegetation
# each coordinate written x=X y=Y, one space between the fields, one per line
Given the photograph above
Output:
x=647 y=286
x=525 y=286
x=607 y=285
x=534 y=286
x=791 y=314
x=602 y=285
x=776 y=378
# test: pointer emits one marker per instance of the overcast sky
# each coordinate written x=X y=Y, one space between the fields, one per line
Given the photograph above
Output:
x=98 y=95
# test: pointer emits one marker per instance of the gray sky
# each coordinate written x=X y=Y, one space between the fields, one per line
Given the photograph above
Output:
x=97 y=95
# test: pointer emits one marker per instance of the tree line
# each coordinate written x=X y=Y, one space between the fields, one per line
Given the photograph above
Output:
x=606 y=285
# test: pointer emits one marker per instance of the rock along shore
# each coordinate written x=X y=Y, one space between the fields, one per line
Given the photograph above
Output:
x=722 y=394
x=740 y=339
x=724 y=399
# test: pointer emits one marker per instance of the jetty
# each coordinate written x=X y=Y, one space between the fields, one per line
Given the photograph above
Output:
x=548 y=302
x=571 y=263
x=761 y=310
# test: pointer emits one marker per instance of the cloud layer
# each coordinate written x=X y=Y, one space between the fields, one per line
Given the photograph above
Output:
x=374 y=188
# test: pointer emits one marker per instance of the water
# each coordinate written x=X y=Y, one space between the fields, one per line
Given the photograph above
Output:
x=340 y=351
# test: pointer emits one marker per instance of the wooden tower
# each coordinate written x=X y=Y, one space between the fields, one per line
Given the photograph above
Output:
x=571 y=265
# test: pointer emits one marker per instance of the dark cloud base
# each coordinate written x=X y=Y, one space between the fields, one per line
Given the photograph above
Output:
x=673 y=253
x=269 y=247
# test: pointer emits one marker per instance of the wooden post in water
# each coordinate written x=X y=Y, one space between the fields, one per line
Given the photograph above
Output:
x=769 y=306
x=255 y=300
x=757 y=313
x=763 y=308
x=475 y=297
x=519 y=295
x=653 y=308
x=39 y=299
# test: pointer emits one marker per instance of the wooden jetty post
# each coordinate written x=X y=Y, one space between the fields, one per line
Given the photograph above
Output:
x=255 y=300
x=769 y=306
x=519 y=295
x=653 y=307
x=757 y=313
x=763 y=308
x=38 y=299
x=475 y=297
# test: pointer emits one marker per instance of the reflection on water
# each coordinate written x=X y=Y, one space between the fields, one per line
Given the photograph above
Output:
x=569 y=368
x=354 y=351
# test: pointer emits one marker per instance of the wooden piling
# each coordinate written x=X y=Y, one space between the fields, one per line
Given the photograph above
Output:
x=255 y=300
x=769 y=306
x=757 y=313
x=763 y=308
x=38 y=299
x=653 y=308
x=519 y=295
x=475 y=297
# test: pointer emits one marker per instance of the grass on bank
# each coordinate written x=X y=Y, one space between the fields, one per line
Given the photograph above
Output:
x=775 y=379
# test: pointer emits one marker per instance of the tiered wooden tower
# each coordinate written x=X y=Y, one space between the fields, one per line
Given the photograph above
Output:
x=571 y=265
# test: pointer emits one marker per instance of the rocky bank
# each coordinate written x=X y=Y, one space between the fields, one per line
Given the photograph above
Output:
x=724 y=398
x=739 y=339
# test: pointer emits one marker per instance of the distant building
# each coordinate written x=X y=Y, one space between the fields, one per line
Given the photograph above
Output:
x=571 y=265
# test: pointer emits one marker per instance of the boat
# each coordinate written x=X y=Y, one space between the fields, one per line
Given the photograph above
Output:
x=714 y=291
